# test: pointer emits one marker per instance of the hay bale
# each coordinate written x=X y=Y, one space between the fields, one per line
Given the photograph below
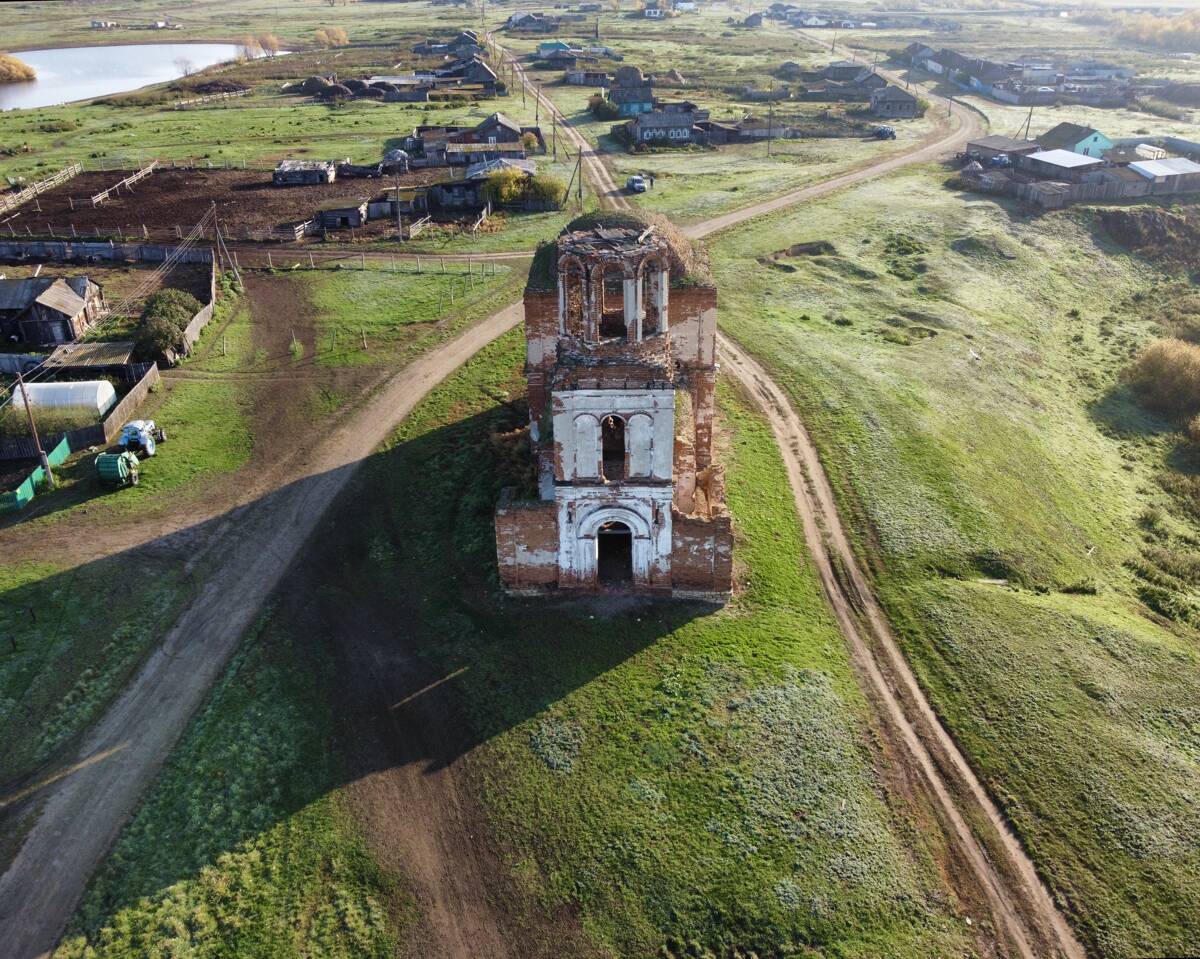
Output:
x=315 y=86
x=336 y=91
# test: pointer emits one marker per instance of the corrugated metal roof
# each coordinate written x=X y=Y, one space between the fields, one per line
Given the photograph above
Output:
x=116 y=353
x=1176 y=166
x=477 y=170
x=16 y=295
x=58 y=296
x=1065 y=159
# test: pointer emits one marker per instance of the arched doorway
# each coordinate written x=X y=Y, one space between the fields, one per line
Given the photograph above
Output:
x=614 y=554
x=612 y=447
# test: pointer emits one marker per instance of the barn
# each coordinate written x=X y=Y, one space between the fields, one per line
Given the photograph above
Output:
x=339 y=215
x=300 y=172
x=40 y=311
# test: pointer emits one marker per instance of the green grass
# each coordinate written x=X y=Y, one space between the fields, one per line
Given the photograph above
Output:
x=665 y=774
x=958 y=365
x=240 y=848
x=71 y=640
x=401 y=314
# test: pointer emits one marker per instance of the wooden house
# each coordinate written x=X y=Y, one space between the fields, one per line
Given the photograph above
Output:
x=43 y=310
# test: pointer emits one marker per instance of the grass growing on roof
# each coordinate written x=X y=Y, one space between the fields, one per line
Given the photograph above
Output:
x=958 y=364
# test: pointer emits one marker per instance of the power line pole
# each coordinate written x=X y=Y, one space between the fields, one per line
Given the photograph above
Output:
x=399 y=222
x=33 y=431
x=770 y=117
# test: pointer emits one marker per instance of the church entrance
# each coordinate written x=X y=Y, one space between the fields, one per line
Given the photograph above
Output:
x=614 y=554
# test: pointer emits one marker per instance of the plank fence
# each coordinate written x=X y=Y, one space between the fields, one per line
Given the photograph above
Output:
x=13 y=200
x=99 y=250
x=211 y=98
x=415 y=228
x=126 y=183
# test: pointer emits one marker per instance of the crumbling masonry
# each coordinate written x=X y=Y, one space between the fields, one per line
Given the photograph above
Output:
x=622 y=369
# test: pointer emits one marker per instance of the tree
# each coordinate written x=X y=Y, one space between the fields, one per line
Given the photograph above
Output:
x=156 y=334
x=529 y=141
x=332 y=37
x=13 y=70
x=269 y=44
x=505 y=186
x=185 y=67
x=248 y=49
x=547 y=188
x=602 y=109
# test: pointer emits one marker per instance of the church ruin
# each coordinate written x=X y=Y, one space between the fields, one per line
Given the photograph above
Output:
x=620 y=330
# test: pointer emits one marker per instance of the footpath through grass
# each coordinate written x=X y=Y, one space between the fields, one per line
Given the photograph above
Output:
x=666 y=773
x=958 y=364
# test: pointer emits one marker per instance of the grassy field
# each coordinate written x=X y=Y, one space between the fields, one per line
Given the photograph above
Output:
x=241 y=848
x=958 y=363
x=641 y=770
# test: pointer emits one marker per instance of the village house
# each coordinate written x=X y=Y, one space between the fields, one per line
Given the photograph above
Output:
x=40 y=311
x=672 y=123
x=588 y=78
x=631 y=92
x=300 y=172
x=893 y=103
x=620 y=332
x=466 y=44
x=1078 y=139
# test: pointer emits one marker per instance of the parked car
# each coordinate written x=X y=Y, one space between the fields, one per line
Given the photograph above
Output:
x=885 y=133
x=636 y=184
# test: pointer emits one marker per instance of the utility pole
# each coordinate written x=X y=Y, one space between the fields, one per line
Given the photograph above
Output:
x=537 y=103
x=554 y=133
x=399 y=221
x=33 y=431
x=580 y=187
x=770 y=117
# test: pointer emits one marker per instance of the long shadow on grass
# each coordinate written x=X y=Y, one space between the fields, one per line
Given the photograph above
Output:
x=390 y=652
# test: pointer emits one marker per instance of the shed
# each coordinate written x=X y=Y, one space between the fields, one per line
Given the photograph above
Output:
x=87 y=396
x=297 y=172
x=342 y=216
x=1174 y=175
x=98 y=354
x=1059 y=165
x=993 y=146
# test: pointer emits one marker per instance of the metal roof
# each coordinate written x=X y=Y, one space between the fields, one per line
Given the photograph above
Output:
x=295 y=165
x=60 y=297
x=16 y=295
x=116 y=353
x=1003 y=144
x=1176 y=166
x=1065 y=159
x=477 y=170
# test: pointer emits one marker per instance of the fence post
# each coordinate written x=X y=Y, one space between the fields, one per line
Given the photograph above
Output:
x=363 y=260
x=418 y=262
x=443 y=259
x=311 y=264
x=270 y=265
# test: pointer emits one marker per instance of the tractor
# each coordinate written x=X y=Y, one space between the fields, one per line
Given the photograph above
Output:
x=141 y=437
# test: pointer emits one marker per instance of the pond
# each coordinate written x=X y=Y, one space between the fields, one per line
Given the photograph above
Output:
x=79 y=73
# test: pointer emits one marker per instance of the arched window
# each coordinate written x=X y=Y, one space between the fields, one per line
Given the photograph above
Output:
x=612 y=447
x=611 y=296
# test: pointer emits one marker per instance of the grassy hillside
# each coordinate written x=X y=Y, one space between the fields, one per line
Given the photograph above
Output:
x=958 y=363
x=663 y=775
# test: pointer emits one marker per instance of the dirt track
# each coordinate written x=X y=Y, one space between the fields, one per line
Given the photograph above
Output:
x=87 y=803
x=86 y=808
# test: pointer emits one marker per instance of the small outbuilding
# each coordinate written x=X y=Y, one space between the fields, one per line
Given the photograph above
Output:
x=996 y=145
x=341 y=217
x=1173 y=175
x=83 y=396
x=300 y=172
x=1062 y=165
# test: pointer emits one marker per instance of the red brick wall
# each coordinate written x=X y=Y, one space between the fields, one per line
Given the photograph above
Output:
x=526 y=544
x=702 y=553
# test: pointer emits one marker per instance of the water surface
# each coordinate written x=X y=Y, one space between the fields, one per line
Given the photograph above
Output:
x=78 y=73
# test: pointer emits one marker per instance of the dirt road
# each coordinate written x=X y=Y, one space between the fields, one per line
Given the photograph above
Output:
x=1027 y=915
x=85 y=809
x=86 y=806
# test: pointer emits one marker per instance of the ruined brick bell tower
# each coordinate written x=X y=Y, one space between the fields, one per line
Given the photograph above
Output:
x=620 y=328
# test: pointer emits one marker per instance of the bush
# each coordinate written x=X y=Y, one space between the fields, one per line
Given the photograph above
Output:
x=164 y=318
x=332 y=37
x=1166 y=378
x=547 y=188
x=505 y=186
x=529 y=141
x=13 y=70
x=601 y=109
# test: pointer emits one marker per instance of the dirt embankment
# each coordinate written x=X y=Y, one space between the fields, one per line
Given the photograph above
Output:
x=1165 y=236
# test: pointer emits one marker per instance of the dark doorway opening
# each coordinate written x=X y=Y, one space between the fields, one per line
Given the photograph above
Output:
x=612 y=442
x=614 y=554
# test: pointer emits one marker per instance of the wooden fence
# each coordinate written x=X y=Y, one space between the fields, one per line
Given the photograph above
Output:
x=211 y=98
x=126 y=183
x=13 y=200
x=100 y=250
x=191 y=332
x=98 y=434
